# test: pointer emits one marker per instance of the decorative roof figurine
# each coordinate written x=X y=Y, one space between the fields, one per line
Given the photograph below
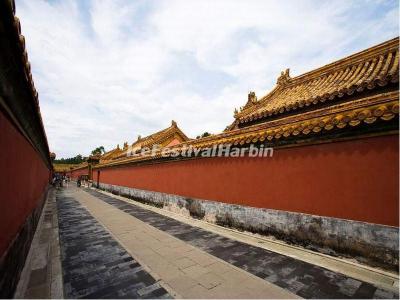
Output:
x=284 y=78
x=252 y=98
x=52 y=156
x=353 y=77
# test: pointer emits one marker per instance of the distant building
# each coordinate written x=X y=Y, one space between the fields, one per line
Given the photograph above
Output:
x=168 y=137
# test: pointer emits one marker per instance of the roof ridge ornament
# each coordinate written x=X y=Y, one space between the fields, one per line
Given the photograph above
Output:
x=251 y=100
x=235 y=113
x=284 y=78
x=173 y=123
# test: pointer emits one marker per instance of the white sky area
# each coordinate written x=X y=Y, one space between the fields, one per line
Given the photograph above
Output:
x=107 y=71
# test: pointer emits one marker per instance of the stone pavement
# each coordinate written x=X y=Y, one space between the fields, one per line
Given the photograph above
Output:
x=186 y=270
x=94 y=264
x=299 y=277
x=41 y=276
x=115 y=248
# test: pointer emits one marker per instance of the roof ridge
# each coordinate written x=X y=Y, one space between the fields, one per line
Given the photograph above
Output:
x=373 y=67
x=349 y=59
x=154 y=135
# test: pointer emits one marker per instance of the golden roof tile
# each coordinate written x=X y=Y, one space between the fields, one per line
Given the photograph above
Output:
x=366 y=70
x=80 y=166
x=366 y=111
x=64 y=167
x=162 y=138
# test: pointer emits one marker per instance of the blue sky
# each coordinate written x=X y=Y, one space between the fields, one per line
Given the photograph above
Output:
x=108 y=71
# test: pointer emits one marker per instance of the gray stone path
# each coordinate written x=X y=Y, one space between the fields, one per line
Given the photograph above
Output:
x=185 y=271
x=94 y=264
x=302 y=278
x=41 y=276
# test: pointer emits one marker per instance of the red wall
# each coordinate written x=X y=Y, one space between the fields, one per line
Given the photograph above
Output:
x=23 y=181
x=356 y=180
x=76 y=173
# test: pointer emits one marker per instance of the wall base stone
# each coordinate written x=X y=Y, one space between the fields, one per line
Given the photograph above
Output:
x=373 y=244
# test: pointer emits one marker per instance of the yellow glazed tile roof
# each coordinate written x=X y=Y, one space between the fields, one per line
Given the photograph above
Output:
x=64 y=167
x=80 y=166
x=161 y=137
x=383 y=107
x=111 y=154
x=366 y=70
x=374 y=69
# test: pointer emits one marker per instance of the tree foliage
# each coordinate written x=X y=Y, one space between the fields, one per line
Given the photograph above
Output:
x=98 y=150
x=203 y=135
x=72 y=160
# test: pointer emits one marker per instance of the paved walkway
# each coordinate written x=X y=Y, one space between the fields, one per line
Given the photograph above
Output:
x=184 y=269
x=41 y=276
x=94 y=264
x=298 y=277
x=112 y=248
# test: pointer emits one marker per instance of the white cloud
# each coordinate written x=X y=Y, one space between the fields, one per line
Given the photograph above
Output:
x=107 y=71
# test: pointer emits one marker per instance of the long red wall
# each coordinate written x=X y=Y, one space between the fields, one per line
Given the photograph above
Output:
x=24 y=177
x=76 y=173
x=357 y=180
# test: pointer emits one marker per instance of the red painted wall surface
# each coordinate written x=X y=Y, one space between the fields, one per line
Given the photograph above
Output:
x=357 y=180
x=76 y=173
x=24 y=177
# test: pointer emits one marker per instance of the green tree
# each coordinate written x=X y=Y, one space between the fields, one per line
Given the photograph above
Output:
x=98 y=150
x=72 y=160
x=205 y=134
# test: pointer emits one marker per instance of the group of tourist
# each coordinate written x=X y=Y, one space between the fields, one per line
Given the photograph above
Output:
x=59 y=180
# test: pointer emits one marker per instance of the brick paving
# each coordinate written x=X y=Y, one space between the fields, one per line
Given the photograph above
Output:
x=301 y=278
x=41 y=277
x=187 y=271
x=94 y=265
